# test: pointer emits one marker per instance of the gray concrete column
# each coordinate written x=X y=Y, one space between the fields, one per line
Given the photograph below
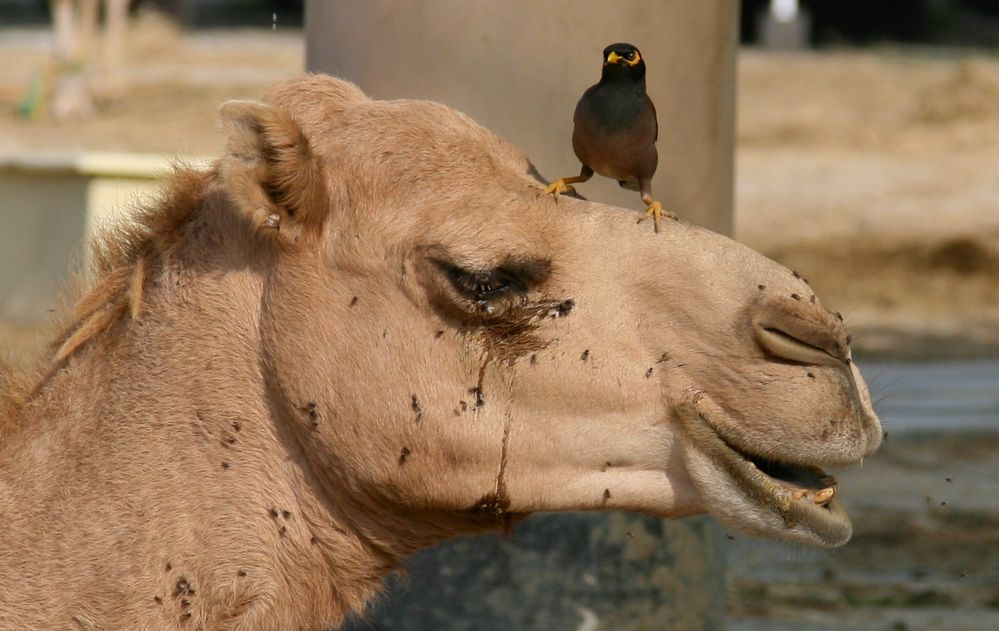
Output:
x=518 y=67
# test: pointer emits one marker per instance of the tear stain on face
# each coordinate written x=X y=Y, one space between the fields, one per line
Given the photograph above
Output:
x=509 y=337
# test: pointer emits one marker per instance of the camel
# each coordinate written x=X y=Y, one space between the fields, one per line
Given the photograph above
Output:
x=366 y=330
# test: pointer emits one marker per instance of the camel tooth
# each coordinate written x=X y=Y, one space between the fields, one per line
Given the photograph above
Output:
x=797 y=494
x=826 y=494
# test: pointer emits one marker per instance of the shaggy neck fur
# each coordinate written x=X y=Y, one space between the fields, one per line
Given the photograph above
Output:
x=277 y=550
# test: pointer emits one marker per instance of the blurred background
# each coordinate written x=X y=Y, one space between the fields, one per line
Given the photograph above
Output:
x=866 y=158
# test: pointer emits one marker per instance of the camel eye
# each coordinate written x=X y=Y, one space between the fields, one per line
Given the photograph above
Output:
x=488 y=285
x=484 y=285
x=513 y=279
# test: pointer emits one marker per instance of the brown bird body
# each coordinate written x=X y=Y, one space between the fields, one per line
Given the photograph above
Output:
x=626 y=149
x=615 y=129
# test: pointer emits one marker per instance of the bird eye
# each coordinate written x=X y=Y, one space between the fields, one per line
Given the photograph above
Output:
x=630 y=56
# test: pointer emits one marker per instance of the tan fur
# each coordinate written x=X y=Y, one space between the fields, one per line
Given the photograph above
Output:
x=136 y=288
x=282 y=382
x=120 y=263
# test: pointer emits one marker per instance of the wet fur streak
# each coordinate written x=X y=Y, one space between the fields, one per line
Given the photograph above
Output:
x=507 y=339
x=514 y=335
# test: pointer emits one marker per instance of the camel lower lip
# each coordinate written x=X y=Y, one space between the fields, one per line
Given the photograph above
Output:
x=799 y=499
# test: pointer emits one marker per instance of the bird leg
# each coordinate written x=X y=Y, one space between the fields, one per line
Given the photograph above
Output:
x=654 y=209
x=564 y=184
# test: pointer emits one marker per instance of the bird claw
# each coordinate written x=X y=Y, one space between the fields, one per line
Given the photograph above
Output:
x=656 y=211
x=557 y=188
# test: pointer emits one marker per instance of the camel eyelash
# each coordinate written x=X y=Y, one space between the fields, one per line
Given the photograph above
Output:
x=513 y=278
x=487 y=285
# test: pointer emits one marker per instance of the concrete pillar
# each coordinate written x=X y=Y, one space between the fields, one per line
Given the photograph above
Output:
x=518 y=67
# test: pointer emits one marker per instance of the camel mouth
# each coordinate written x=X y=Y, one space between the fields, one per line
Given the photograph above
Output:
x=764 y=495
x=800 y=494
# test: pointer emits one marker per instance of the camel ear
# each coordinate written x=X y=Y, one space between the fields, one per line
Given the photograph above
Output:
x=269 y=169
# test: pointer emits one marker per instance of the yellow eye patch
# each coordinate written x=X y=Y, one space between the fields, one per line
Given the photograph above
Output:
x=614 y=58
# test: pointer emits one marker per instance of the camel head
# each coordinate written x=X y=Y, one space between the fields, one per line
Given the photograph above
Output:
x=452 y=349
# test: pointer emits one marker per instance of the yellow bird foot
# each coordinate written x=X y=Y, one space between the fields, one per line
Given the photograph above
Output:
x=656 y=211
x=558 y=187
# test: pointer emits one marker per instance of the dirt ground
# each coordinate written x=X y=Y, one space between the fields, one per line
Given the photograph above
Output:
x=873 y=173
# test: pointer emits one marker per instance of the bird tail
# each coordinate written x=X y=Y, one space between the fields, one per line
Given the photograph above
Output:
x=631 y=185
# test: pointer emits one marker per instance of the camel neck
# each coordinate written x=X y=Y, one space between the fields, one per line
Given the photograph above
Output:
x=199 y=489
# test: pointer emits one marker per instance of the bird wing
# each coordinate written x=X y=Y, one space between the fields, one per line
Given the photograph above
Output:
x=655 y=119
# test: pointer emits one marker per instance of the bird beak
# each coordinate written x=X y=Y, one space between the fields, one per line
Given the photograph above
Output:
x=614 y=58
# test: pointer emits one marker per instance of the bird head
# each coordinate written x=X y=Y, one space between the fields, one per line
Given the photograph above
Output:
x=623 y=61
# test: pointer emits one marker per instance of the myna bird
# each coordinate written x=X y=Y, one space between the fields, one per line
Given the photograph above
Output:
x=615 y=130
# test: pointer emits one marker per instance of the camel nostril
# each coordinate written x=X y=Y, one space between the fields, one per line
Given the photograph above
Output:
x=797 y=331
x=786 y=346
